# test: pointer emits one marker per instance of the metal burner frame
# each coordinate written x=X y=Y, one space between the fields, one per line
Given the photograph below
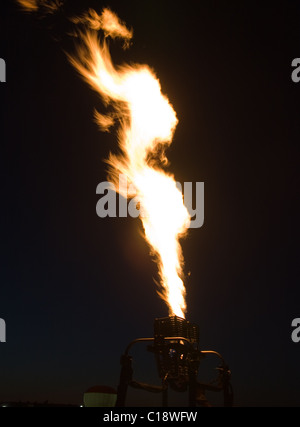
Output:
x=176 y=349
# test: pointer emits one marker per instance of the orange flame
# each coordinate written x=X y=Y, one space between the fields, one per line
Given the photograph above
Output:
x=147 y=123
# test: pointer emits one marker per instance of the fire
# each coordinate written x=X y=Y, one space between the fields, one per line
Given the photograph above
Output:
x=147 y=122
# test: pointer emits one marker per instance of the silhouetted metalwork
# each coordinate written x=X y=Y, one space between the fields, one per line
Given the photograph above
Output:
x=175 y=346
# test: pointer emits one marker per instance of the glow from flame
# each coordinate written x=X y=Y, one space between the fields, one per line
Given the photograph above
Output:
x=147 y=123
x=45 y=6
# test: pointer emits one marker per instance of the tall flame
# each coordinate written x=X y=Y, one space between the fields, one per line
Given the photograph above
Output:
x=147 y=123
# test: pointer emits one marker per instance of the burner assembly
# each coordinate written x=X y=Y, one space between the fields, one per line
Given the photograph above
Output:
x=175 y=346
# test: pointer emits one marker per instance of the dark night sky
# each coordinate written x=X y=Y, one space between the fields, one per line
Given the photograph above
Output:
x=76 y=289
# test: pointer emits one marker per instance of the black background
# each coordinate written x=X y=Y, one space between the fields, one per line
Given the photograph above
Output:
x=76 y=289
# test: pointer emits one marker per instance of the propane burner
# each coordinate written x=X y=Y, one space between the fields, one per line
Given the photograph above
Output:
x=175 y=346
x=174 y=326
x=176 y=343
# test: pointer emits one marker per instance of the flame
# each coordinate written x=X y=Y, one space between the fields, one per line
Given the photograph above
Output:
x=147 y=123
x=46 y=6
